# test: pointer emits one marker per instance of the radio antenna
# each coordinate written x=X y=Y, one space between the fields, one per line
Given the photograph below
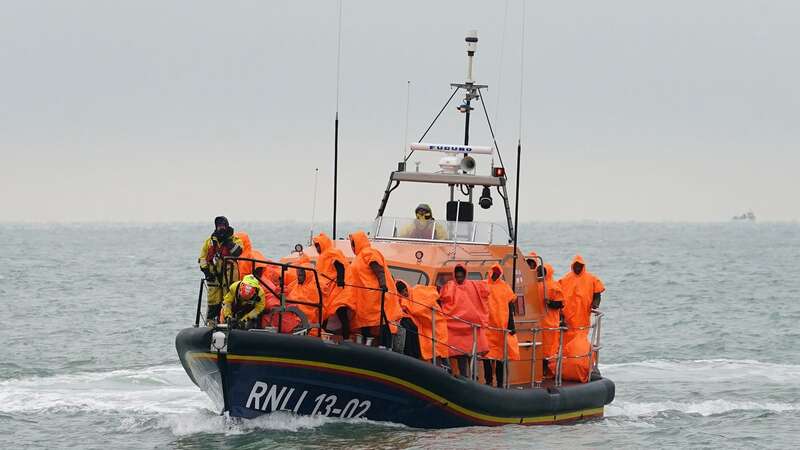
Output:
x=519 y=148
x=336 y=120
x=313 y=208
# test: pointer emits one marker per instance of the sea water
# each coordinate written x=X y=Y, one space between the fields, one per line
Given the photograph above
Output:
x=700 y=336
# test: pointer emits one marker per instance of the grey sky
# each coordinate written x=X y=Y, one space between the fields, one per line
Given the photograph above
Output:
x=151 y=111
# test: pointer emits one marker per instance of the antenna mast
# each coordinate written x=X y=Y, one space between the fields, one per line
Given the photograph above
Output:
x=336 y=121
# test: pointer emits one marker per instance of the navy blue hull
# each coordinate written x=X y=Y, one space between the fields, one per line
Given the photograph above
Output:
x=265 y=372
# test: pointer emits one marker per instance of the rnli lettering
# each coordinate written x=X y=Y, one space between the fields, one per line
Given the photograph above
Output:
x=264 y=397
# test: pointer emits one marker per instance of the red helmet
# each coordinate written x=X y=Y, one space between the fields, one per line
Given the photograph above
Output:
x=246 y=292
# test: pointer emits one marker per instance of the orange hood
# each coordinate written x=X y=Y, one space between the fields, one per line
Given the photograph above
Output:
x=548 y=272
x=323 y=241
x=578 y=259
x=494 y=267
x=247 y=246
x=401 y=282
x=360 y=241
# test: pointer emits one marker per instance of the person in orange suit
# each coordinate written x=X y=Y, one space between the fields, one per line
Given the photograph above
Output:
x=245 y=267
x=501 y=315
x=576 y=365
x=407 y=305
x=367 y=282
x=581 y=290
x=332 y=267
x=467 y=300
x=553 y=303
x=417 y=304
x=304 y=291
x=533 y=262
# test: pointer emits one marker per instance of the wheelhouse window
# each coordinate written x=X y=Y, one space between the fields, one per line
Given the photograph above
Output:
x=410 y=276
x=443 y=277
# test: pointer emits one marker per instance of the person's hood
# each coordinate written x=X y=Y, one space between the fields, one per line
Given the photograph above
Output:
x=491 y=270
x=456 y=267
x=247 y=246
x=304 y=261
x=250 y=280
x=578 y=259
x=532 y=254
x=399 y=282
x=548 y=272
x=323 y=241
x=360 y=241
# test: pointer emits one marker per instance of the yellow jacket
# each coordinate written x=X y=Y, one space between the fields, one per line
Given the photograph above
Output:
x=423 y=229
x=258 y=302
x=213 y=251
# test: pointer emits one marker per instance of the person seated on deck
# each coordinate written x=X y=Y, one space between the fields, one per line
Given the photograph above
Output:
x=501 y=315
x=369 y=283
x=466 y=300
x=243 y=303
x=332 y=267
x=424 y=226
x=220 y=244
x=581 y=290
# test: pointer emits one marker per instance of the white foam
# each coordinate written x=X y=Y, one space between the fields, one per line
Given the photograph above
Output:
x=160 y=397
x=707 y=370
x=704 y=408
x=162 y=389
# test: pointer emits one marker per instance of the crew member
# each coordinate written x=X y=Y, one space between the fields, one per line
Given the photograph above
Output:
x=581 y=290
x=501 y=315
x=466 y=300
x=332 y=267
x=244 y=302
x=553 y=299
x=220 y=244
x=370 y=283
x=424 y=226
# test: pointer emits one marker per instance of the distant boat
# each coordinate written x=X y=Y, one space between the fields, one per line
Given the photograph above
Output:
x=746 y=216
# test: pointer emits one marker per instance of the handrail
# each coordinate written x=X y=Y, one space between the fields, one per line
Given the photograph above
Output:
x=281 y=294
x=594 y=339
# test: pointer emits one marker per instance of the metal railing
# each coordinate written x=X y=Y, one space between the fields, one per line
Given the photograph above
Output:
x=593 y=330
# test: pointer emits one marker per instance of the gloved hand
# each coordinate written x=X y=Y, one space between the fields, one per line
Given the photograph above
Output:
x=210 y=278
x=555 y=304
x=512 y=331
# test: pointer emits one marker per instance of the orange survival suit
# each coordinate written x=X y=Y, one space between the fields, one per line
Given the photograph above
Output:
x=553 y=302
x=421 y=300
x=467 y=301
x=500 y=299
x=369 y=270
x=332 y=268
x=581 y=293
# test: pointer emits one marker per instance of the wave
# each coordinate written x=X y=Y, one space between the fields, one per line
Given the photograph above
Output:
x=707 y=370
x=158 y=397
x=704 y=408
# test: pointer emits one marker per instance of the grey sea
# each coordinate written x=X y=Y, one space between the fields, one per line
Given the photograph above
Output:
x=701 y=336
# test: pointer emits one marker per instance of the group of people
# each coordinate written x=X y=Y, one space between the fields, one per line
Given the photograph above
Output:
x=568 y=305
x=359 y=296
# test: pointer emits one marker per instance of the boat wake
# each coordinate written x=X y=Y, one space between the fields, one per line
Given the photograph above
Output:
x=136 y=400
x=703 y=370
x=705 y=387
x=703 y=408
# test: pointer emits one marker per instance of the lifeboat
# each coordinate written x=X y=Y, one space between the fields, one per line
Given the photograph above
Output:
x=309 y=370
